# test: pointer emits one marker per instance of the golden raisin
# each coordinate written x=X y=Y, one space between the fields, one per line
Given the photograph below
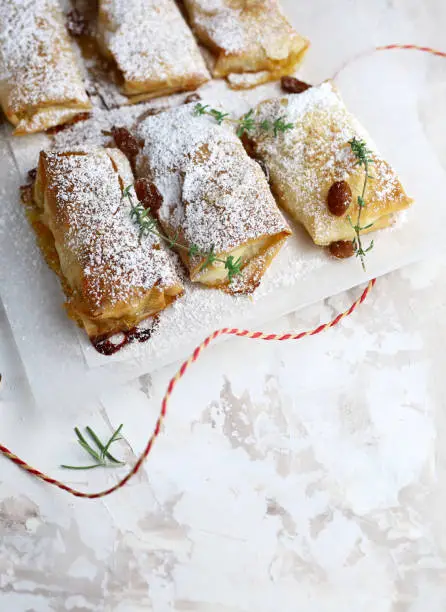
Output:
x=339 y=198
x=342 y=249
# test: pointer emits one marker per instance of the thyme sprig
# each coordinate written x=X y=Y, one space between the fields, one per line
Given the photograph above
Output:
x=142 y=217
x=364 y=158
x=101 y=454
x=247 y=123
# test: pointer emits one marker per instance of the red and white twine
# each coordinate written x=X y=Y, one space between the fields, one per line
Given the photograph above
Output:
x=200 y=349
x=393 y=47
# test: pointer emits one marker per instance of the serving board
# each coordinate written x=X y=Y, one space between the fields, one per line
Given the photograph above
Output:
x=400 y=100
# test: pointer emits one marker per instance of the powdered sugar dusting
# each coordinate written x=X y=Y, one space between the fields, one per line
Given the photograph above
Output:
x=150 y=41
x=212 y=192
x=221 y=22
x=95 y=130
x=116 y=263
x=37 y=63
x=255 y=29
x=307 y=159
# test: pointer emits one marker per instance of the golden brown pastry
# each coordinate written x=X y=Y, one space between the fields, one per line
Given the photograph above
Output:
x=40 y=81
x=152 y=46
x=247 y=36
x=313 y=169
x=113 y=278
x=210 y=195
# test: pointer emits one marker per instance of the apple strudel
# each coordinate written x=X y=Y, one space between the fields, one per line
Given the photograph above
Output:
x=152 y=47
x=40 y=81
x=209 y=197
x=113 y=277
x=247 y=36
x=314 y=173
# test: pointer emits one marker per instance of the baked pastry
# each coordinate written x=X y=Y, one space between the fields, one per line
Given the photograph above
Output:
x=210 y=197
x=313 y=161
x=247 y=36
x=113 y=277
x=40 y=81
x=152 y=46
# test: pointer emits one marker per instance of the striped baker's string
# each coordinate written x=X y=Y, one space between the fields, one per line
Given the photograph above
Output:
x=393 y=47
x=403 y=47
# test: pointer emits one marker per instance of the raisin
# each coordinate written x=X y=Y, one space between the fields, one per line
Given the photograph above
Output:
x=339 y=198
x=292 y=85
x=149 y=196
x=126 y=142
x=342 y=249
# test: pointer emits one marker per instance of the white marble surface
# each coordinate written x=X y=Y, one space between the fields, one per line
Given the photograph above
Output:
x=289 y=477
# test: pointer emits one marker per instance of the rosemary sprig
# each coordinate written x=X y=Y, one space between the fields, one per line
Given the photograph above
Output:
x=101 y=454
x=148 y=225
x=363 y=159
x=247 y=123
